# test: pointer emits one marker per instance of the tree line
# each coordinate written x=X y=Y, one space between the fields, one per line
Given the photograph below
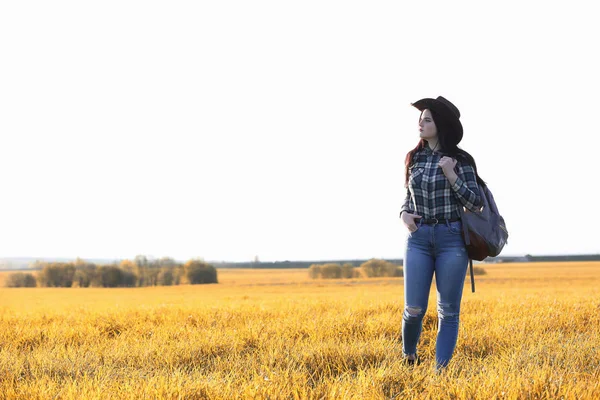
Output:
x=256 y=264
x=373 y=268
x=139 y=272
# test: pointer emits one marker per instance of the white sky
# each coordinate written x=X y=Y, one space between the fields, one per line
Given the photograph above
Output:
x=233 y=129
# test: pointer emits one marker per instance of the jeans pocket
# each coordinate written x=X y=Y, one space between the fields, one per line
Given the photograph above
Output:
x=455 y=228
x=411 y=234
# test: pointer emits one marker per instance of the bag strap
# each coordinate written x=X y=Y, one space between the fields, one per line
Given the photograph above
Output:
x=464 y=226
x=472 y=277
x=467 y=241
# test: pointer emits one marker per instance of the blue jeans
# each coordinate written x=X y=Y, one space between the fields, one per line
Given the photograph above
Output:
x=441 y=249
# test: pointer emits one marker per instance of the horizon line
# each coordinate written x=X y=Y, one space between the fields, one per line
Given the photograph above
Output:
x=272 y=261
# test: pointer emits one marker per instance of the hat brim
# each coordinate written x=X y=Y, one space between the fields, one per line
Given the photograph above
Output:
x=425 y=103
x=444 y=111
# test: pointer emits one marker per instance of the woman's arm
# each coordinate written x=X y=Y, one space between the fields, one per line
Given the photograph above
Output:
x=407 y=203
x=464 y=184
x=465 y=187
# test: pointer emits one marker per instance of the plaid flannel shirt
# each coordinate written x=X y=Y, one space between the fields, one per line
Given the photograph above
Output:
x=429 y=193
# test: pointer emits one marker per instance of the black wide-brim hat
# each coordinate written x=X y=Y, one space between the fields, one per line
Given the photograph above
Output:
x=447 y=111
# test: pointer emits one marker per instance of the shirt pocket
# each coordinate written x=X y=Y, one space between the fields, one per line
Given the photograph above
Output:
x=415 y=178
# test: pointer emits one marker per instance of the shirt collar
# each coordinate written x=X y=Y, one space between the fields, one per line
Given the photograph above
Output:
x=427 y=150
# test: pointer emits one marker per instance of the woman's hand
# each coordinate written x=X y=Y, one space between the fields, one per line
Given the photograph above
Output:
x=409 y=221
x=447 y=164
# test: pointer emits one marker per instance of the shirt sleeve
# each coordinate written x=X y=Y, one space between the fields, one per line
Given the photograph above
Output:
x=407 y=204
x=465 y=188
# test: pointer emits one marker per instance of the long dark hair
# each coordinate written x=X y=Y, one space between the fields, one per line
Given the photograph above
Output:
x=448 y=146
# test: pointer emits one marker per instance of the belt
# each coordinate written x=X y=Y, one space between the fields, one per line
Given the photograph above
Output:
x=434 y=221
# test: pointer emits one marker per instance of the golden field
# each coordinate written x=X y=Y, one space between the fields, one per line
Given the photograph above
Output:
x=531 y=331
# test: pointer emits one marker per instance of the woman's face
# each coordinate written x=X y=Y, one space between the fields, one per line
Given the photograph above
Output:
x=427 y=127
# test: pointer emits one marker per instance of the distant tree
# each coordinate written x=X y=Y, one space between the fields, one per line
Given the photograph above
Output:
x=332 y=271
x=348 y=271
x=85 y=273
x=128 y=265
x=141 y=260
x=113 y=276
x=20 y=279
x=178 y=274
x=151 y=276
x=57 y=275
x=479 y=271
x=380 y=268
x=166 y=277
x=85 y=276
x=142 y=270
x=314 y=271
x=197 y=271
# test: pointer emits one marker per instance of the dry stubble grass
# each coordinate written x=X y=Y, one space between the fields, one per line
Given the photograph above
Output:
x=530 y=331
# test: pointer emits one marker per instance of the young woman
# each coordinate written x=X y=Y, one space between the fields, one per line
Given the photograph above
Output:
x=440 y=178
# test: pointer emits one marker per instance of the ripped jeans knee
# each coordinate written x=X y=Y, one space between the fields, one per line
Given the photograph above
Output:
x=448 y=312
x=413 y=313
